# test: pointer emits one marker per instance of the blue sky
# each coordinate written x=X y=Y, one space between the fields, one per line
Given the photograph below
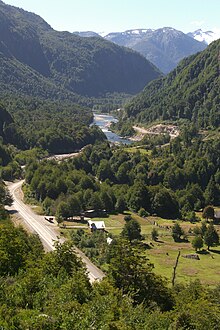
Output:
x=121 y=15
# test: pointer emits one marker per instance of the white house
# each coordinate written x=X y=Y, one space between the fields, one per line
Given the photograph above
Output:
x=96 y=225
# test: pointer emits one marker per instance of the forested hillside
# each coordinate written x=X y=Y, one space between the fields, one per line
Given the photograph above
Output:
x=58 y=127
x=191 y=91
x=37 y=60
x=171 y=183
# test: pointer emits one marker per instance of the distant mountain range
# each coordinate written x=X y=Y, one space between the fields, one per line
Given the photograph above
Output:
x=164 y=47
x=39 y=61
x=205 y=36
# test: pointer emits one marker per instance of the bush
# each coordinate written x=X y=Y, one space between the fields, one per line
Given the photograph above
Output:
x=127 y=217
x=154 y=234
x=143 y=213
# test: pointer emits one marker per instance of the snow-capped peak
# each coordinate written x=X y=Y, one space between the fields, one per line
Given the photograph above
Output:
x=205 y=36
x=138 y=31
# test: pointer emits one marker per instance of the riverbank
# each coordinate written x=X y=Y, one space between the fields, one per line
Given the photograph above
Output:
x=103 y=121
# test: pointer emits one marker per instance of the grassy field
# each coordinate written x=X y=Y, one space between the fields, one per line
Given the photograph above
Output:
x=135 y=149
x=163 y=253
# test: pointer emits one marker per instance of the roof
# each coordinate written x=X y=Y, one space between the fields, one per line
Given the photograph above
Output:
x=109 y=240
x=217 y=214
x=96 y=224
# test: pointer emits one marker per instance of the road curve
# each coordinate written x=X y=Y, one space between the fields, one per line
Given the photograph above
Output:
x=48 y=233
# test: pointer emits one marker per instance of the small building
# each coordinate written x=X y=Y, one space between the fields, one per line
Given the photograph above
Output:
x=94 y=213
x=217 y=215
x=96 y=225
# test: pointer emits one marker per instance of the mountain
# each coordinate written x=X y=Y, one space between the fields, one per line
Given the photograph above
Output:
x=164 y=47
x=204 y=36
x=191 y=91
x=37 y=60
x=5 y=119
x=86 y=34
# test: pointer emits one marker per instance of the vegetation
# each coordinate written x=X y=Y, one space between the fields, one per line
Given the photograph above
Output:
x=154 y=234
x=174 y=182
x=211 y=237
x=53 y=126
x=46 y=63
x=208 y=212
x=132 y=231
x=177 y=232
x=52 y=291
x=197 y=242
x=124 y=129
x=190 y=92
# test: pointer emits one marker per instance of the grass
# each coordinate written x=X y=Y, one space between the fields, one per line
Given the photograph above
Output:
x=163 y=253
x=140 y=149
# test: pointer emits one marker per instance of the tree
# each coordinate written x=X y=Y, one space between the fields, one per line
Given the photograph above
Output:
x=5 y=197
x=177 y=232
x=104 y=170
x=197 y=242
x=165 y=204
x=121 y=204
x=16 y=247
x=197 y=231
x=132 y=230
x=132 y=273
x=64 y=256
x=211 y=237
x=106 y=200
x=203 y=228
x=138 y=197
x=211 y=192
x=95 y=202
x=208 y=212
x=154 y=234
x=62 y=211
x=73 y=205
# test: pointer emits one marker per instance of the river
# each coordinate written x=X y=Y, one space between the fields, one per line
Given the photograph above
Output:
x=104 y=121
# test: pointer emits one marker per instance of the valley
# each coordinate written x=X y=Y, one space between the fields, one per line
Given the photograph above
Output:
x=109 y=177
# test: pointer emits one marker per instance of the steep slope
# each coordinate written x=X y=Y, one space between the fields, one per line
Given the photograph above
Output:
x=164 y=47
x=5 y=119
x=191 y=91
x=87 y=66
x=9 y=133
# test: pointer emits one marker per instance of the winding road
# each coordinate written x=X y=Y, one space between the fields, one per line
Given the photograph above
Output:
x=48 y=232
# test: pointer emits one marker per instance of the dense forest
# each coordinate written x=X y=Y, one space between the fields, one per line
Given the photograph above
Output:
x=171 y=182
x=58 y=127
x=191 y=91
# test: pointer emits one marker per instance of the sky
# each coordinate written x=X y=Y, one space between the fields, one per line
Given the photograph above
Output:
x=104 y=16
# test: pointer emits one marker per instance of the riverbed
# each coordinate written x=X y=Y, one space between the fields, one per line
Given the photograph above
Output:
x=104 y=121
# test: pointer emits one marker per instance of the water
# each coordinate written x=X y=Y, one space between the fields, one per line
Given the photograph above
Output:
x=104 y=121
